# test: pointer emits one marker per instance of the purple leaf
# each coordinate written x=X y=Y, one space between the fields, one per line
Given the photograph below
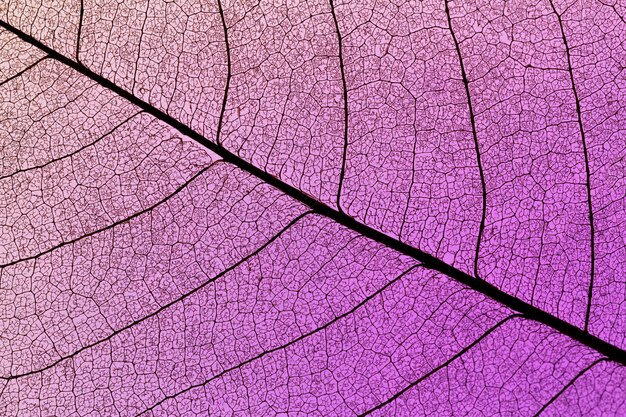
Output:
x=312 y=208
x=598 y=390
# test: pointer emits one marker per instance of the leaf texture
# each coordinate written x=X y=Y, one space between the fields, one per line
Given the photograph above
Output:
x=312 y=208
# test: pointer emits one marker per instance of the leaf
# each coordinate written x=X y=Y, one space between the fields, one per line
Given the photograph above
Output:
x=312 y=208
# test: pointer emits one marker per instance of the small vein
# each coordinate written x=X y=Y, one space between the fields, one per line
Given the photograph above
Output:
x=443 y=365
x=220 y=123
x=114 y=224
x=410 y=190
x=475 y=137
x=587 y=171
x=25 y=70
x=143 y=25
x=80 y=28
x=286 y=345
x=569 y=384
x=69 y=155
x=165 y=306
x=342 y=174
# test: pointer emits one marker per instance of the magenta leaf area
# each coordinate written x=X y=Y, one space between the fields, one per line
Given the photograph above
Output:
x=312 y=208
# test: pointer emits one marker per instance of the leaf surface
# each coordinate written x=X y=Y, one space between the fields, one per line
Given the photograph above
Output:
x=312 y=208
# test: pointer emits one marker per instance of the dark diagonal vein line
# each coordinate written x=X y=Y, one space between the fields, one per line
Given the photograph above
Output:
x=569 y=384
x=80 y=29
x=443 y=365
x=342 y=174
x=22 y=72
x=69 y=155
x=614 y=8
x=114 y=224
x=286 y=345
x=531 y=312
x=220 y=123
x=165 y=306
x=587 y=172
x=475 y=137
